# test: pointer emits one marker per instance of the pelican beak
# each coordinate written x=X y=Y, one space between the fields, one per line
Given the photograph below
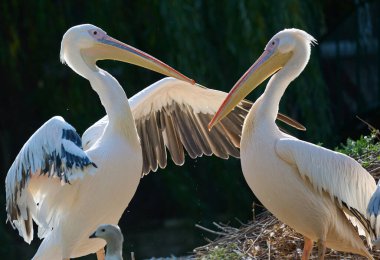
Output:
x=266 y=65
x=109 y=48
x=93 y=235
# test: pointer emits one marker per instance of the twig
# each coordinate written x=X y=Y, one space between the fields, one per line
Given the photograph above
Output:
x=371 y=127
x=210 y=231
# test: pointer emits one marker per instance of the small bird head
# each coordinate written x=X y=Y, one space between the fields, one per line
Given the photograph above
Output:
x=109 y=233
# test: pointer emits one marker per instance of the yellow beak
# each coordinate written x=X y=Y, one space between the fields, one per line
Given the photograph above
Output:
x=266 y=65
x=112 y=49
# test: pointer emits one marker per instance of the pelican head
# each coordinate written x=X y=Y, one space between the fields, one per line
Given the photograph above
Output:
x=290 y=48
x=88 y=43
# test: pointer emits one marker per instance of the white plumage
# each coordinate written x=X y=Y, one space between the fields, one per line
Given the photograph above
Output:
x=69 y=190
x=67 y=214
x=320 y=193
x=54 y=150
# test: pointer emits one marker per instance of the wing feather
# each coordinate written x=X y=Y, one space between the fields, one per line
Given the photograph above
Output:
x=343 y=178
x=373 y=211
x=173 y=140
x=159 y=146
x=53 y=152
x=200 y=132
x=173 y=115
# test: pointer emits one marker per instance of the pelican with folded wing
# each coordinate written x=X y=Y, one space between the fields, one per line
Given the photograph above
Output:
x=320 y=193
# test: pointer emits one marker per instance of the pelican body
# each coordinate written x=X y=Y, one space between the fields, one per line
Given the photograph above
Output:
x=320 y=193
x=67 y=190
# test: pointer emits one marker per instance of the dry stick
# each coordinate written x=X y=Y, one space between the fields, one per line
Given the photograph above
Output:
x=250 y=247
x=253 y=211
x=371 y=127
x=211 y=231
x=240 y=222
x=220 y=227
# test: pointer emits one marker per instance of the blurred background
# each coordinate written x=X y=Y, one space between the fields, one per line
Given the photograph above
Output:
x=213 y=42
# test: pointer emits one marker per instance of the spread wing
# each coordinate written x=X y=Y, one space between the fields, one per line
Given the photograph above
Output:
x=343 y=178
x=52 y=156
x=172 y=115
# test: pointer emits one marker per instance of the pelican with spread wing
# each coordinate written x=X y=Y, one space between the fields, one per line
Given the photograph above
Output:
x=320 y=193
x=68 y=185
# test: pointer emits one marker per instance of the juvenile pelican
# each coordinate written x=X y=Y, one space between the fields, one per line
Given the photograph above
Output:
x=320 y=193
x=131 y=140
x=114 y=239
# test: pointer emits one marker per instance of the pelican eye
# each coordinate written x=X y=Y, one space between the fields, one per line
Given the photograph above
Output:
x=103 y=230
x=97 y=34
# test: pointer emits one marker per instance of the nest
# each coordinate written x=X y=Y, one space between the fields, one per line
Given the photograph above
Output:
x=268 y=238
x=264 y=238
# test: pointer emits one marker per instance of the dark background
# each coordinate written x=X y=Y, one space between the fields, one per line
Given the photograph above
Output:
x=213 y=42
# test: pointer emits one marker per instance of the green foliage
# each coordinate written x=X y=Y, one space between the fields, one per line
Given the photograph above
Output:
x=366 y=149
x=363 y=145
x=223 y=253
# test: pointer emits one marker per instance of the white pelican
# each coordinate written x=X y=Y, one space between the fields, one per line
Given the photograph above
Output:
x=104 y=175
x=320 y=193
x=114 y=239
